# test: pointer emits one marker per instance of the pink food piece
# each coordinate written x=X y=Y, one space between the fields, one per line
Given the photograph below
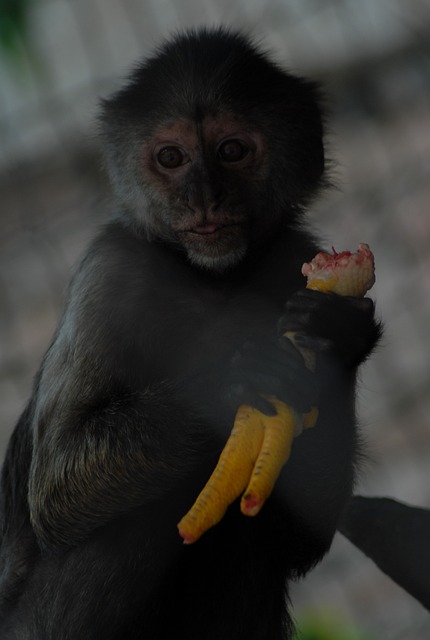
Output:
x=344 y=273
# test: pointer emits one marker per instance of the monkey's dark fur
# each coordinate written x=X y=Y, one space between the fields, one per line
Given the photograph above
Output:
x=172 y=321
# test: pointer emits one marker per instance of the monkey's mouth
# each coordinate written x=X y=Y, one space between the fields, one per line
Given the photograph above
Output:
x=211 y=229
x=206 y=229
x=213 y=240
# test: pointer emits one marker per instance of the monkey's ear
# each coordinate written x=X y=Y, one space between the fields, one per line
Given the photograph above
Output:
x=396 y=536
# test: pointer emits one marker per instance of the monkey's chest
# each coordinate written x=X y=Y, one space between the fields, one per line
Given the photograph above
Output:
x=204 y=334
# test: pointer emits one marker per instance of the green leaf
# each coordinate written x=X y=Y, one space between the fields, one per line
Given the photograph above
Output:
x=327 y=627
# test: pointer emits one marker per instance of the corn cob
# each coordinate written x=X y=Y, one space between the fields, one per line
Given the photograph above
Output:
x=260 y=445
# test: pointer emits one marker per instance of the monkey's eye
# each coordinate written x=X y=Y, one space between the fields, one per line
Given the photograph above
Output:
x=171 y=157
x=232 y=150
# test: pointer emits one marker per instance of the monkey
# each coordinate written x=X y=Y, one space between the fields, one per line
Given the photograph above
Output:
x=174 y=318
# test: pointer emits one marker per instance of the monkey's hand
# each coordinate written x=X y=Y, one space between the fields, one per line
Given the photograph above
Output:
x=340 y=326
x=269 y=367
x=260 y=442
x=331 y=315
x=272 y=386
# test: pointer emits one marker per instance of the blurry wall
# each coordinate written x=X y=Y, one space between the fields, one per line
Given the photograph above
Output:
x=373 y=57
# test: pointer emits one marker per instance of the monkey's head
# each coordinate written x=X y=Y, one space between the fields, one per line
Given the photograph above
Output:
x=212 y=147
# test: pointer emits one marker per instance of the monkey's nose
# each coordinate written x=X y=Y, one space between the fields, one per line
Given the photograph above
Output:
x=204 y=196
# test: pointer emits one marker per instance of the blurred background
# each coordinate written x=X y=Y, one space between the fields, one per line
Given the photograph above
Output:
x=58 y=57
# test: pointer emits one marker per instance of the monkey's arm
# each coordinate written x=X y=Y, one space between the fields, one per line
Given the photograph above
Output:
x=108 y=433
x=260 y=445
x=89 y=468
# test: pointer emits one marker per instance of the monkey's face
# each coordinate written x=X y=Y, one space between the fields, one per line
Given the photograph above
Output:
x=205 y=178
x=213 y=148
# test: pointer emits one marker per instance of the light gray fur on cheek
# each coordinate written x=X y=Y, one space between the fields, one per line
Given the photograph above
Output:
x=133 y=187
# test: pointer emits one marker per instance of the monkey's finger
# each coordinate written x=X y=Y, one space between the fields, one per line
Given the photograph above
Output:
x=243 y=394
x=299 y=393
x=312 y=343
x=262 y=405
x=292 y=383
x=268 y=350
x=300 y=396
